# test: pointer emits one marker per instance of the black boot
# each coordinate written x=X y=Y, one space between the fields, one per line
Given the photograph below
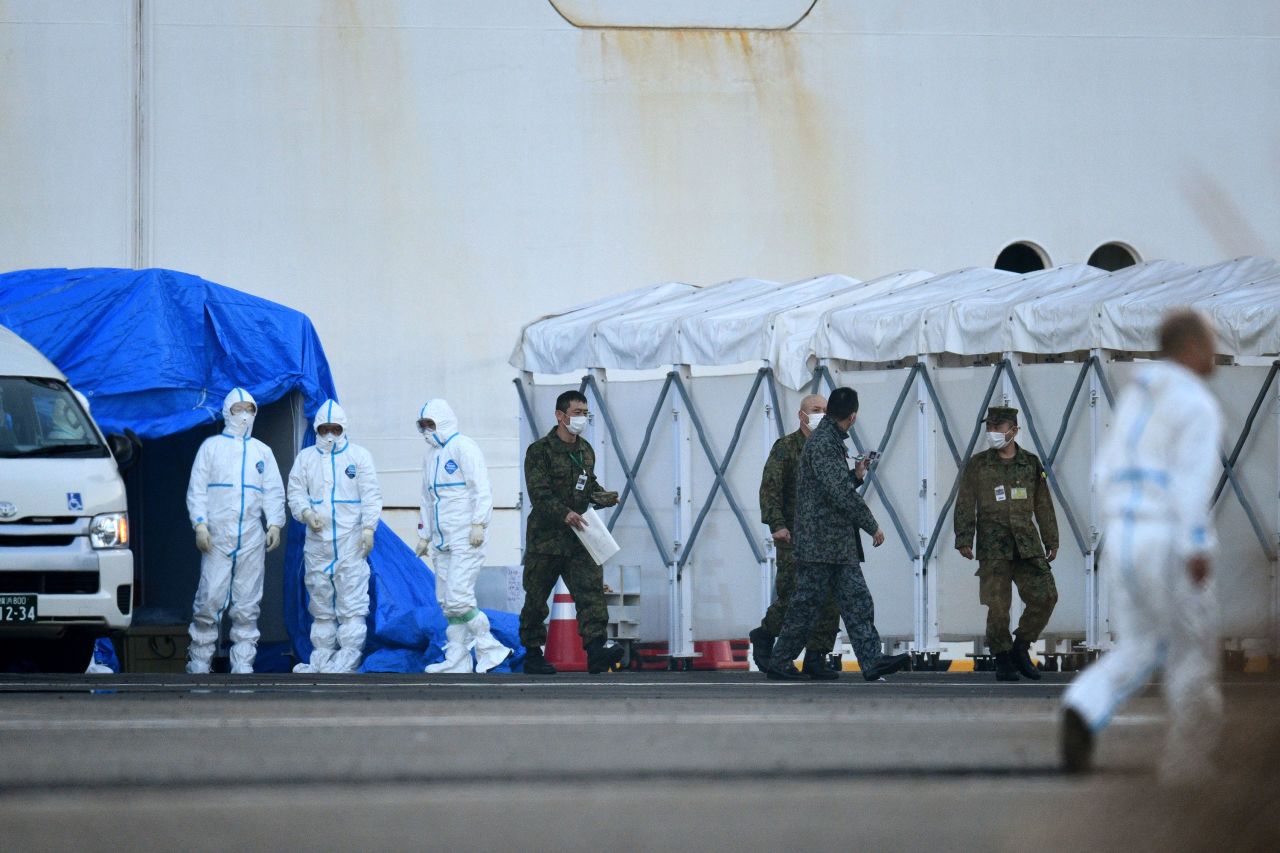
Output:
x=535 y=663
x=787 y=672
x=601 y=657
x=886 y=665
x=1022 y=661
x=815 y=667
x=761 y=647
x=1077 y=743
x=1005 y=670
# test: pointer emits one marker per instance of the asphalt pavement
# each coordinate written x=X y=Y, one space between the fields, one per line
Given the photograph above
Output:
x=620 y=761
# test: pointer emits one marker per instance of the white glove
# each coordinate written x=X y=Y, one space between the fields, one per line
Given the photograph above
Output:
x=204 y=542
x=273 y=537
x=366 y=542
x=477 y=535
x=423 y=546
x=312 y=520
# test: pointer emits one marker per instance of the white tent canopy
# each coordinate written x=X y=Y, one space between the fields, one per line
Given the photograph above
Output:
x=560 y=343
x=1131 y=321
x=791 y=348
x=742 y=331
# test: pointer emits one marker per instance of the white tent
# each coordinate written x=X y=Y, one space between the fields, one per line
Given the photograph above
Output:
x=1056 y=343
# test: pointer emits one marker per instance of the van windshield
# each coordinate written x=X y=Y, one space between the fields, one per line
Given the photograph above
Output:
x=42 y=417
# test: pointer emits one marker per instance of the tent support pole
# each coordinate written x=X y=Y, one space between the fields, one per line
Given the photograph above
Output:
x=1274 y=651
x=1091 y=623
x=926 y=625
x=771 y=432
x=680 y=644
x=528 y=431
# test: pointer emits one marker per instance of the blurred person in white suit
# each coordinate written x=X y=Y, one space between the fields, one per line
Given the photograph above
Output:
x=1155 y=476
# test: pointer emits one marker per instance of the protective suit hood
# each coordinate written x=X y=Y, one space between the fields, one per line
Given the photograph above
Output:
x=446 y=421
x=330 y=413
x=239 y=426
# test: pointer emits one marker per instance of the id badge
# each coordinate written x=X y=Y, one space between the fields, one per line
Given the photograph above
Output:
x=582 y=483
x=1019 y=493
x=1000 y=493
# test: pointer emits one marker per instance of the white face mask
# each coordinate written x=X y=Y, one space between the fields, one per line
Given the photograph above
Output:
x=326 y=442
x=996 y=440
x=815 y=418
x=240 y=425
x=427 y=434
x=577 y=425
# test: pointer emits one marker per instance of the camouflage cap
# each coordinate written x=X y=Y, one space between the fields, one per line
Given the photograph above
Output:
x=1001 y=414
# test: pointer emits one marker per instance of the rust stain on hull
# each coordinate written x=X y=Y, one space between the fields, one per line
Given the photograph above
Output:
x=694 y=109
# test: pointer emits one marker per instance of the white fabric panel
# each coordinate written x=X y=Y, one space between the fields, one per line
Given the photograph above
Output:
x=791 y=346
x=561 y=343
x=1130 y=321
x=978 y=323
x=650 y=338
x=1246 y=318
x=890 y=327
x=1068 y=320
x=742 y=331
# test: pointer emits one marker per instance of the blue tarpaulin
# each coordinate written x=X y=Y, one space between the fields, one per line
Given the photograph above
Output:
x=156 y=351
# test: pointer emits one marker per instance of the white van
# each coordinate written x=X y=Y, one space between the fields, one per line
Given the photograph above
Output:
x=66 y=571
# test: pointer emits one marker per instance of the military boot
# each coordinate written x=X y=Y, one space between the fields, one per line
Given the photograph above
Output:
x=761 y=647
x=1022 y=661
x=1005 y=670
x=815 y=666
x=535 y=663
x=602 y=657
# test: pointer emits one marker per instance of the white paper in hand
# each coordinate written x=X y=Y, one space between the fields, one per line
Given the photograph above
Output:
x=596 y=538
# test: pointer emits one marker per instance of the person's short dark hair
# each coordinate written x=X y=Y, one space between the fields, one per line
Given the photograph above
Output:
x=563 y=401
x=842 y=403
x=1181 y=327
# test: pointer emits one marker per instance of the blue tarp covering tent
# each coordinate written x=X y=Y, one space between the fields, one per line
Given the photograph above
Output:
x=157 y=350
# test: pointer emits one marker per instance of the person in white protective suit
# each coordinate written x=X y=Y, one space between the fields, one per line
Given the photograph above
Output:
x=334 y=491
x=456 y=507
x=235 y=486
x=1155 y=477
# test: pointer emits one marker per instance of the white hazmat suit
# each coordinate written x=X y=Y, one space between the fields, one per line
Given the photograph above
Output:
x=1155 y=477
x=235 y=486
x=456 y=508
x=333 y=489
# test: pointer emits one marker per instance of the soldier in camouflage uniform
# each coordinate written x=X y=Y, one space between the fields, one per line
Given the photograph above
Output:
x=778 y=510
x=559 y=472
x=829 y=517
x=1002 y=490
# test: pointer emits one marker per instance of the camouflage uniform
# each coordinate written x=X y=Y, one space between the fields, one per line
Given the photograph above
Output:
x=552 y=470
x=778 y=510
x=998 y=498
x=829 y=517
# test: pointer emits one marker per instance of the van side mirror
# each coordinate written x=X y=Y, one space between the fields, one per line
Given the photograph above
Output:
x=125 y=448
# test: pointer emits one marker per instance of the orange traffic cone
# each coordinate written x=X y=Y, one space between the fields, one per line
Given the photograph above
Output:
x=564 y=647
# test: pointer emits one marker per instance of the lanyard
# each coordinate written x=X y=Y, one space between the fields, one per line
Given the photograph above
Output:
x=576 y=459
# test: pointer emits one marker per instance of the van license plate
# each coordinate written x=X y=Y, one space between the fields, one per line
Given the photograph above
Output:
x=17 y=608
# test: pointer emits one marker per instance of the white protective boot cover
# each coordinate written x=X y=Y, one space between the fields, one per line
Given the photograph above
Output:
x=319 y=661
x=489 y=652
x=457 y=651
